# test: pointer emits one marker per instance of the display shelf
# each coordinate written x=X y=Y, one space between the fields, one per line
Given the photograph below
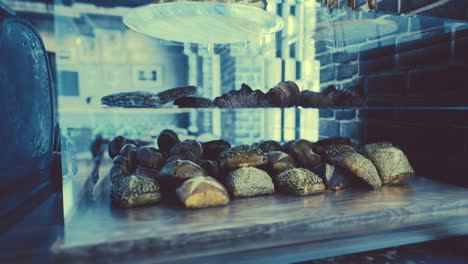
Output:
x=303 y=227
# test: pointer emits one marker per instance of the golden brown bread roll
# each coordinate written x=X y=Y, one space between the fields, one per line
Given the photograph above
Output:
x=150 y=158
x=391 y=162
x=180 y=170
x=301 y=151
x=188 y=145
x=202 y=192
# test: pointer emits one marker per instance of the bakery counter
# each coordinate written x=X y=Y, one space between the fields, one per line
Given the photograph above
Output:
x=275 y=228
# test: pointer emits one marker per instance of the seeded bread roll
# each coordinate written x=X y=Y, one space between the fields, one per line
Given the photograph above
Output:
x=345 y=157
x=241 y=156
x=212 y=149
x=117 y=172
x=129 y=151
x=135 y=190
x=279 y=161
x=202 y=192
x=335 y=178
x=188 y=145
x=391 y=162
x=299 y=181
x=249 y=182
x=301 y=151
x=319 y=146
x=166 y=140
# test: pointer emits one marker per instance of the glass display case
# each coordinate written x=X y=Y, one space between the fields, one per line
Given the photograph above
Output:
x=256 y=73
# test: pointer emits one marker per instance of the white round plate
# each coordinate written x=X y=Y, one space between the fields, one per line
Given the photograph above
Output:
x=203 y=23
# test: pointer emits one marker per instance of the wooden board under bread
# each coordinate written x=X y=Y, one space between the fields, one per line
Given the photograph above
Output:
x=247 y=230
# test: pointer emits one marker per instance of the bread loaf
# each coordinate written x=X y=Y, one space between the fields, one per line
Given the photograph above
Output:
x=249 y=182
x=298 y=181
x=201 y=192
x=135 y=190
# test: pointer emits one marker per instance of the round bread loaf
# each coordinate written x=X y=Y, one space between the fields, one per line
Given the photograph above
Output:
x=242 y=156
x=301 y=151
x=188 y=145
x=279 y=161
x=298 y=181
x=150 y=158
x=202 y=192
x=116 y=144
x=166 y=140
x=135 y=190
x=129 y=151
x=248 y=182
x=180 y=170
x=269 y=145
x=391 y=162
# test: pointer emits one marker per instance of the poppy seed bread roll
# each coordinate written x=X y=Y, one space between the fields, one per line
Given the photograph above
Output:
x=135 y=190
x=241 y=156
x=249 y=182
x=299 y=181
x=391 y=162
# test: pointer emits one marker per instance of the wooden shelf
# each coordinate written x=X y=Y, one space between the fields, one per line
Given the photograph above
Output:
x=277 y=227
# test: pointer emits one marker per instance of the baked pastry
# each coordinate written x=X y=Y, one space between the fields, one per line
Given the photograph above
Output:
x=298 y=181
x=129 y=151
x=135 y=190
x=212 y=149
x=178 y=171
x=241 y=156
x=150 y=158
x=248 y=182
x=284 y=94
x=334 y=178
x=166 y=140
x=279 y=161
x=169 y=95
x=319 y=146
x=301 y=151
x=243 y=98
x=345 y=157
x=202 y=192
x=188 y=145
x=117 y=172
x=312 y=99
x=391 y=162
x=186 y=155
x=211 y=167
x=116 y=144
x=268 y=145
x=195 y=102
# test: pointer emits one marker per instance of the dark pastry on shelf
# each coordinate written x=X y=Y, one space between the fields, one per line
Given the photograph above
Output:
x=202 y=192
x=319 y=146
x=138 y=99
x=116 y=144
x=301 y=151
x=130 y=151
x=186 y=155
x=335 y=178
x=284 y=94
x=135 y=190
x=312 y=99
x=176 y=93
x=298 y=181
x=279 y=161
x=178 y=171
x=166 y=140
x=345 y=157
x=286 y=147
x=188 y=145
x=249 y=182
x=352 y=96
x=243 y=98
x=211 y=167
x=212 y=149
x=241 y=156
x=391 y=162
x=194 y=102
x=149 y=161
x=268 y=145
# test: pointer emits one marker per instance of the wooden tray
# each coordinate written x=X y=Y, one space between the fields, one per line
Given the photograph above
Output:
x=275 y=228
